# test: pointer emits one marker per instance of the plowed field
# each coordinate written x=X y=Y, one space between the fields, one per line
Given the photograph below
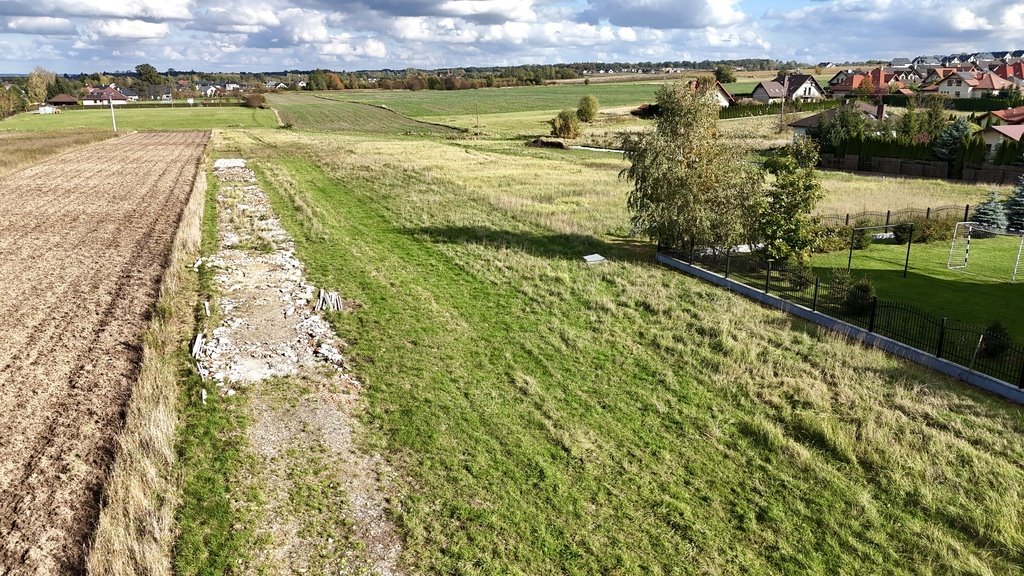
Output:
x=84 y=238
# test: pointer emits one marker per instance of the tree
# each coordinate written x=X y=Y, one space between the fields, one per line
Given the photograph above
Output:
x=781 y=213
x=148 y=74
x=1015 y=208
x=846 y=124
x=334 y=82
x=865 y=90
x=688 y=184
x=566 y=124
x=949 y=141
x=991 y=213
x=317 y=80
x=588 y=108
x=724 y=74
x=38 y=81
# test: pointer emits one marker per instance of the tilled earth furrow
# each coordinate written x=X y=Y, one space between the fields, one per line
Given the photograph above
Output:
x=89 y=236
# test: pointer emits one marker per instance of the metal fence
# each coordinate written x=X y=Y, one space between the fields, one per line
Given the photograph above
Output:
x=974 y=347
x=895 y=216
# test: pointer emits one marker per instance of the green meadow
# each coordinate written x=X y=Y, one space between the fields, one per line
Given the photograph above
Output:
x=177 y=118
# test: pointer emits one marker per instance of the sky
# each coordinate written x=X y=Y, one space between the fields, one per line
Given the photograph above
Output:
x=71 y=36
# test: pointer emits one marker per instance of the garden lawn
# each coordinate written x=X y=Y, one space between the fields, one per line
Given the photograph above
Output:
x=543 y=416
x=980 y=294
x=178 y=118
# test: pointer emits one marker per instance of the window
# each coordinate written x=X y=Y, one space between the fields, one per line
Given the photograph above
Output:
x=957 y=93
x=949 y=83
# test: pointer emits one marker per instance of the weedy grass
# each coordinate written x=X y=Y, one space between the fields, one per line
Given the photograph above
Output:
x=178 y=118
x=21 y=149
x=845 y=192
x=548 y=417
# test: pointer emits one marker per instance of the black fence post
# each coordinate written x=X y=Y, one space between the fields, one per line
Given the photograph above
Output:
x=967 y=211
x=942 y=338
x=728 y=262
x=928 y=213
x=888 y=213
x=910 y=240
x=814 y=302
x=849 y=261
x=847 y=219
x=874 y=308
x=691 y=251
x=767 y=277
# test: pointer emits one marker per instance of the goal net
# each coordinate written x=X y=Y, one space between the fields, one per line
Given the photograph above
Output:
x=987 y=252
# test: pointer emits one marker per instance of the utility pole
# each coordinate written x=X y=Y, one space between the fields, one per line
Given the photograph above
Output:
x=782 y=110
x=113 y=120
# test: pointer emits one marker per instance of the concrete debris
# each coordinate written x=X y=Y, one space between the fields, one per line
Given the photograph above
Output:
x=269 y=320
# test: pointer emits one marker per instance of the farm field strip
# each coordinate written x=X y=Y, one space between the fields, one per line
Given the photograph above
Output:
x=315 y=112
x=183 y=118
x=86 y=235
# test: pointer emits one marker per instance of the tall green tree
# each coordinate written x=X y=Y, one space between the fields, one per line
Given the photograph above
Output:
x=688 y=184
x=37 y=82
x=148 y=74
x=782 y=212
x=1015 y=208
x=991 y=213
x=947 y=145
x=725 y=74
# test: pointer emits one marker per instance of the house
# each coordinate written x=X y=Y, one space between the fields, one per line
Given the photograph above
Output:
x=131 y=95
x=825 y=64
x=232 y=87
x=1008 y=71
x=996 y=135
x=103 y=97
x=207 y=90
x=870 y=112
x=900 y=63
x=981 y=57
x=1004 y=116
x=879 y=77
x=841 y=76
x=63 y=100
x=972 y=84
x=769 y=92
x=801 y=87
x=47 y=109
x=925 y=62
x=935 y=75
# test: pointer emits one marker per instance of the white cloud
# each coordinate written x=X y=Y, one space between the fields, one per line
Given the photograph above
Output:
x=347 y=49
x=963 y=19
x=125 y=29
x=664 y=14
x=38 y=25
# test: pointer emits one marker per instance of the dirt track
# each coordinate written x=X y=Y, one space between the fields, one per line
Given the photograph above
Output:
x=84 y=238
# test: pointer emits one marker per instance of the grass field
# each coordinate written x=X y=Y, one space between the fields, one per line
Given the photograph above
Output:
x=845 y=192
x=440 y=103
x=313 y=112
x=198 y=118
x=980 y=294
x=547 y=417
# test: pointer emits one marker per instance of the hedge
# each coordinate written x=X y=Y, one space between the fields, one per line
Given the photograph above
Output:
x=960 y=104
x=744 y=111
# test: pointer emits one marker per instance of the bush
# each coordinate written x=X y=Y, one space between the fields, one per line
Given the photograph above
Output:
x=905 y=232
x=829 y=238
x=566 y=124
x=254 y=101
x=860 y=297
x=861 y=238
x=588 y=108
x=799 y=276
x=840 y=284
x=995 y=341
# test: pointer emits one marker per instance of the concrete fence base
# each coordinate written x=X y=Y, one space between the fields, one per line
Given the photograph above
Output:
x=852 y=332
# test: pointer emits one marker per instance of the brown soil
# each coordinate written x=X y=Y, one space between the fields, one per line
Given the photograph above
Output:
x=85 y=237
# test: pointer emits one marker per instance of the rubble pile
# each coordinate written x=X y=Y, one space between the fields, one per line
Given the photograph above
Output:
x=268 y=326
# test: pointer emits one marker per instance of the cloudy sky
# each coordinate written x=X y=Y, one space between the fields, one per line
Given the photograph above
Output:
x=231 y=35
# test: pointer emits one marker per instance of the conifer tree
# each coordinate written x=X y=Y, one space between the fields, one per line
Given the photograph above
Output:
x=1015 y=208
x=991 y=213
x=948 y=144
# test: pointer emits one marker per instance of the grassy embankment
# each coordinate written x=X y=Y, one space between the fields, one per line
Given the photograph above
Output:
x=546 y=417
x=180 y=118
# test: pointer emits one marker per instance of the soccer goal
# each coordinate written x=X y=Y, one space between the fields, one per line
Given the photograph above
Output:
x=1008 y=248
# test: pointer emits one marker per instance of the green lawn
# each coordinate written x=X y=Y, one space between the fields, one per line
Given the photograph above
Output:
x=547 y=417
x=315 y=112
x=980 y=294
x=430 y=103
x=179 y=118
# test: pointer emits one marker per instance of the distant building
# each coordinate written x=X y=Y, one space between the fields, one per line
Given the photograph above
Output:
x=104 y=97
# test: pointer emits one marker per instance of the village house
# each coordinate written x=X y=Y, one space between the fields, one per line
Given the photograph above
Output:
x=794 y=87
x=902 y=63
x=104 y=97
x=1014 y=71
x=878 y=77
x=870 y=112
x=1004 y=116
x=972 y=84
x=61 y=100
x=996 y=135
